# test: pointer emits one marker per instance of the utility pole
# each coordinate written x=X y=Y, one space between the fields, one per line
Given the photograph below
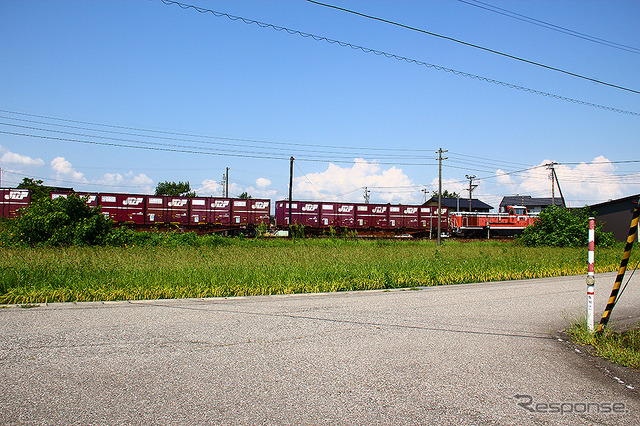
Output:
x=553 y=186
x=366 y=195
x=226 y=182
x=290 y=193
x=555 y=177
x=426 y=191
x=471 y=188
x=439 y=152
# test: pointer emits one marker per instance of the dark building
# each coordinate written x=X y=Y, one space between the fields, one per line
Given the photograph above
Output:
x=533 y=205
x=615 y=215
x=459 y=204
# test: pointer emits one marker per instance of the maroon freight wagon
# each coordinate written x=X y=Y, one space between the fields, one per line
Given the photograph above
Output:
x=12 y=200
x=337 y=215
x=372 y=215
x=404 y=217
x=260 y=211
x=410 y=217
x=302 y=213
x=429 y=218
x=198 y=211
x=156 y=209
x=125 y=208
x=220 y=212
x=250 y=211
x=178 y=210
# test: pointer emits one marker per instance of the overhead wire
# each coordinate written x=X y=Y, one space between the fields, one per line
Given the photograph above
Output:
x=550 y=26
x=168 y=148
x=308 y=153
x=399 y=58
x=475 y=46
x=258 y=141
x=311 y=183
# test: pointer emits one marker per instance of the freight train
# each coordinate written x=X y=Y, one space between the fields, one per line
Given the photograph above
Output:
x=236 y=215
x=389 y=219
x=201 y=214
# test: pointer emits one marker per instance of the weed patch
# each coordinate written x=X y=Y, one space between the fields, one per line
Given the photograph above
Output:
x=621 y=348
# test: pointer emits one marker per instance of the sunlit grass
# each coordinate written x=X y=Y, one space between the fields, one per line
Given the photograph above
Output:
x=620 y=348
x=262 y=267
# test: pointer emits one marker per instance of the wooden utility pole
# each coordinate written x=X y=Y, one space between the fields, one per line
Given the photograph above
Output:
x=439 y=152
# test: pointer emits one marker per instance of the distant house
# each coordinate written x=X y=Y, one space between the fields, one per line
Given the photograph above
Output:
x=459 y=204
x=615 y=215
x=533 y=205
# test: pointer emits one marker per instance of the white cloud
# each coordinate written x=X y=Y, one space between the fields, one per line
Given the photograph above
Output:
x=110 y=179
x=140 y=179
x=9 y=157
x=347 y=184
x=263 y=182
x=584 y=183
x=64 y=169
x=504 y=178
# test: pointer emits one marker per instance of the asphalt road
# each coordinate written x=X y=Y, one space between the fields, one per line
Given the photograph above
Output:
x=473 y=354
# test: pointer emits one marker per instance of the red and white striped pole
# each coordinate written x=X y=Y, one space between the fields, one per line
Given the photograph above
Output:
x=591 y=278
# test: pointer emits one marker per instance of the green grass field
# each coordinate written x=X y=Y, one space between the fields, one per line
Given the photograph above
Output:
x=236 y=267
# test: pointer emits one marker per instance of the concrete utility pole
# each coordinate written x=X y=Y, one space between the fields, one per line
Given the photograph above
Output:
x=366 y=195
x=439 y=152
x=290 y=193
x=471 y=188
x=426 y=191
x=553 y=186
x=226 y=182
x=555 y=175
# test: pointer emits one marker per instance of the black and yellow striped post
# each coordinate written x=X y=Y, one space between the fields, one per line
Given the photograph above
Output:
x=633 y=229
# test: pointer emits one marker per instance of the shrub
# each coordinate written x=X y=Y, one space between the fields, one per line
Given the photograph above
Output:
x=561 y=227
x=59 y=222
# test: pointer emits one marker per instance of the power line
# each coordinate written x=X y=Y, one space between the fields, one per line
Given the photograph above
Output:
x=288 y=144
x=311 y=183
x=400 y=58
x=475 y=46
x=324 y=153
x=201 y=152
x=553 y=27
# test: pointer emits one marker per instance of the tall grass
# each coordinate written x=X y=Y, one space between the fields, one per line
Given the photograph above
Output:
x=261 y=267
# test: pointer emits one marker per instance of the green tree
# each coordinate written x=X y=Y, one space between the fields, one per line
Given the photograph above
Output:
x=38 y=190
x=561 y=227
x=175 y=189
x=244 y=195
x=60 y=222
x=446 y=194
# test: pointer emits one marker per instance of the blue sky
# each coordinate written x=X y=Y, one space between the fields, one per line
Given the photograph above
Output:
x=83 y=82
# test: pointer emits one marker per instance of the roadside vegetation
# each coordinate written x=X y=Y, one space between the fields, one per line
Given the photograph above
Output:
x=184 y=265
x=619 y=347
x=562 y=227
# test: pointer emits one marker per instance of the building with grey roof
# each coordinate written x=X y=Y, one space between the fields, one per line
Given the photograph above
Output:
x=533 y=205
